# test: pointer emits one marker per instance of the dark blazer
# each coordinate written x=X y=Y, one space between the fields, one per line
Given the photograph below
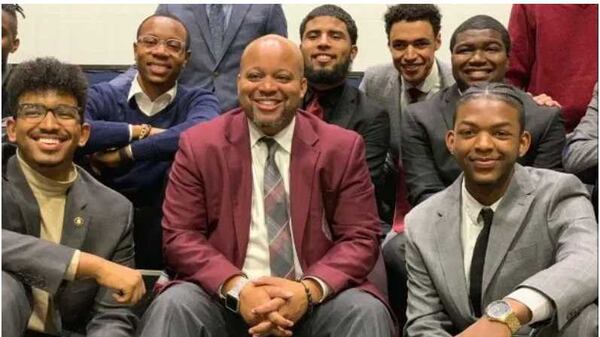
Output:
x=354 y=111
x=98 y=221
x=218 y=73
x=429 y=166
x=544 y=237
x=207 y=209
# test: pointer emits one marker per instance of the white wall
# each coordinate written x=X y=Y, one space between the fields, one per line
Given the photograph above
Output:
x=103 y=34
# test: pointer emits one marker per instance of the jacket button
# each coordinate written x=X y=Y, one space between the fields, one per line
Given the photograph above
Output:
x=216 y=74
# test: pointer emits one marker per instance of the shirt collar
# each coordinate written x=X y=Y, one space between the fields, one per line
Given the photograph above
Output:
x=136 y=91
x=283 y=137
x=431 y=81
x=472 y=206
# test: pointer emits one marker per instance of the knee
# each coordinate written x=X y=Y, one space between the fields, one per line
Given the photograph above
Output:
x=182 y=295
x=362 y=306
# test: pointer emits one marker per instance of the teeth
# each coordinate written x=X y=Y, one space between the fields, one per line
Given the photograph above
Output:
x=49 y=140
x=323 y=58
x=267 y=102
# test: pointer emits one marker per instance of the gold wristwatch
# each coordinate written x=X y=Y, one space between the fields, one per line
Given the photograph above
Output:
x=500 y=311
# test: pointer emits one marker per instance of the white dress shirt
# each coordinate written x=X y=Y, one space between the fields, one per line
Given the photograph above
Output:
x=471 y=225
x=257 y=262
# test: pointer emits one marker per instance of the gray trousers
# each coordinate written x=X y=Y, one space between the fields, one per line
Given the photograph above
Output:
x=187 y=310
x=16 y=306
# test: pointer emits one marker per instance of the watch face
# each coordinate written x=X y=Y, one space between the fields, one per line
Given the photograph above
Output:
x=232 y=303
x=498 y=309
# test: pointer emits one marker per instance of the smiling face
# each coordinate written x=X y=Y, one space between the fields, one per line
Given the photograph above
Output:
x=159 y=66
x=486 y=141
x=413 y=46
x=327 y=50
x=270 y=83
x=479 y=55
x=48 y=145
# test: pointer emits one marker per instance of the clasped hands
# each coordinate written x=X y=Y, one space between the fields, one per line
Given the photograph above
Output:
x=272 y=305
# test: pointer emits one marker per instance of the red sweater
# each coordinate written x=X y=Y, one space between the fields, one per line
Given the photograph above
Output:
x=555 y=51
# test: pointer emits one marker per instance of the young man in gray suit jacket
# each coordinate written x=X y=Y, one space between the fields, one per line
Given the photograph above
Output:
x=505 y=248
x=67 y=246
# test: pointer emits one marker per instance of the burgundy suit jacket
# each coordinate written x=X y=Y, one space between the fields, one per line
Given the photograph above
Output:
x=207 y=204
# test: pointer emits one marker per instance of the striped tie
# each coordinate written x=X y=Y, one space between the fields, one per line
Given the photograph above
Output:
x=277 y=217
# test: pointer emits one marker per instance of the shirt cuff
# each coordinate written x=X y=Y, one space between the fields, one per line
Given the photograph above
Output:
x=130 y=133
x=541 y=307
x=129 y=152
x=72 y=269
x=325 y=290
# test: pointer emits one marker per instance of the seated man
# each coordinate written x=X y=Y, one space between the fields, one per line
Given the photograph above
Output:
x=67 y=246
x=505 y=247
x=328 y=44
x=480 y=48
x=246 y=257
x=136 y=126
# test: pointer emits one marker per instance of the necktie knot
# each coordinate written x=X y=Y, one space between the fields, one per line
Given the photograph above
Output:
x=271 y=146
x=414 y=94
x=487 y=214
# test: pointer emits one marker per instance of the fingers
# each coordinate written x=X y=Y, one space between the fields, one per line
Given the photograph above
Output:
x=272 y=305
x=130 y=295
x=273 y=292
x=267 y=328
x=277 y=319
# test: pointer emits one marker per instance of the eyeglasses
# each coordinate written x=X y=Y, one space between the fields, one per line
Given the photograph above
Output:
x=174 y=46
x=37 y=112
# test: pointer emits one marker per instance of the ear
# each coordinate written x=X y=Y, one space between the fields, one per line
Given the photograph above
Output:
x=450 y=141
x=303 y=86
x=353 y=52
x=438 y=41
x=85 y=134
x=11 y=131
x=524 y=143
x=15 y=45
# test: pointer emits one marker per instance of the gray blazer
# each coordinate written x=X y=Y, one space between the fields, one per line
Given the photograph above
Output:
x=428 y=165
x=382 y=84
x=103 y=228
x=218 y=73
x=581 y=151
x=544 y=236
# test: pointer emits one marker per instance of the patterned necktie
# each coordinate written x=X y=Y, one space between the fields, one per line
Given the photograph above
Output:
x=216 y=23
x=477 y=262
x=277 y=218
x=315 y=108
x=414 y=94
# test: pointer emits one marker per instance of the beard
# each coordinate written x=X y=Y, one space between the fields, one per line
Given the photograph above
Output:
x=332 y=76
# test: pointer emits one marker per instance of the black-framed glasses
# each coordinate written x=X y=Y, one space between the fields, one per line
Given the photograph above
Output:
x=37 y=112
x=172 y=45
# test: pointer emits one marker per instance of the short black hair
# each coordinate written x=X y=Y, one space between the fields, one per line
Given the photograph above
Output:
x=43 y=74
x=170 y=16
x=333 y=11
x=494 y=91
x=480 y=22
x=411 y=13
x=12 y=10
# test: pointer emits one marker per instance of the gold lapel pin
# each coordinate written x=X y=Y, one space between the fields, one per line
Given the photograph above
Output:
x=78 y=221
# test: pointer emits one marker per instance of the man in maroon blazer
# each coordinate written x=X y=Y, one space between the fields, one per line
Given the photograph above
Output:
x=270 y=224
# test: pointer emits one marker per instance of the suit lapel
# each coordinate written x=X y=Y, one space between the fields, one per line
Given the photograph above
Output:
x=239 y=161
x=75 y=222
x=345 y=109
x=202 y=22
x=23 y=197
x=508 y=221
x=450 y=249
x=451 y=97
x=303 y=163
x=238 y=13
